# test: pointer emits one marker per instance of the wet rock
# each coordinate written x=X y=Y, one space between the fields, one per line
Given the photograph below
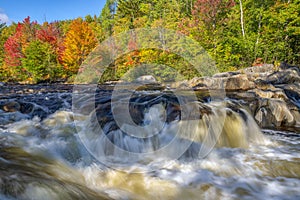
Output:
x=150 y=86
x=289 y=76
x=284 y=66
x=274 y=113
x=261 y=84
x=293 y=92
x=26 y=108
x=12 y=106
x=275 y=93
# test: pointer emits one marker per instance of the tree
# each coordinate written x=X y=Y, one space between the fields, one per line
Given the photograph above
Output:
x=242 y=18
x=16 y=44
x=107 y=18
x=39 y=61
x=51 y=34
x=2 y=26
x=79 y=42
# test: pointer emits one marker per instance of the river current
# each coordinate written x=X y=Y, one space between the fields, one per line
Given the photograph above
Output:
x=54 y=152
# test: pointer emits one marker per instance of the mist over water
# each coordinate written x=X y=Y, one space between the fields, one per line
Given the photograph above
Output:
x=68 y=155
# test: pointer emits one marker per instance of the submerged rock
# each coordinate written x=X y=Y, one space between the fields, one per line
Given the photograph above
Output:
x=11 y=106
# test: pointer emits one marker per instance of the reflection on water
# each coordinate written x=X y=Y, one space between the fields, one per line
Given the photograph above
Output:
x=45 y=159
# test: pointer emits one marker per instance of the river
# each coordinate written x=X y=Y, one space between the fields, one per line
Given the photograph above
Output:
x=51 y=149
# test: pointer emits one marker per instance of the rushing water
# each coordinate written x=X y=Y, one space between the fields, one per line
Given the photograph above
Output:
x=64 y=155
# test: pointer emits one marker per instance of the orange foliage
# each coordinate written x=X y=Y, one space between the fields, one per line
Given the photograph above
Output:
x=79 y=42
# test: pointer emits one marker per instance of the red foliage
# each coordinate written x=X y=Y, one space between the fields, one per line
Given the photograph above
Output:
x=13 y=51
x=49 y=33
x=13 y=46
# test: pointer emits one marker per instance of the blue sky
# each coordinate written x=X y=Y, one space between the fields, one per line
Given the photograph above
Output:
x=48 y=10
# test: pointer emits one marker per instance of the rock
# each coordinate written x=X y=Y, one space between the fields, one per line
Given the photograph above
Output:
x=239 y=82
x=12 y=106
x=230 y=83
x=291 y=75
x=284 y=66
x=26 y=108
x=274 y=113
x=275 y=94
x=197 y=82
x=265 y=68
x=292 y=91
x=261 y=84
x=225 y=74
x=146 y=79
x=182 y=85
x=150 y=86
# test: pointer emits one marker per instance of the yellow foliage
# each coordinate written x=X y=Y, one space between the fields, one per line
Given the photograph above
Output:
x=79 y=42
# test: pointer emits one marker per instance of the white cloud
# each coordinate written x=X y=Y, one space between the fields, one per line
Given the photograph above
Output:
x=4 y=18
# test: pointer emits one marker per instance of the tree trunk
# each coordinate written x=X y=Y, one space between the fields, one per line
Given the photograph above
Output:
x=242 y=18
x=258 y=33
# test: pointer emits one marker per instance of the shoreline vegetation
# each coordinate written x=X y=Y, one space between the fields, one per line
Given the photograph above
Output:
x=236 y=34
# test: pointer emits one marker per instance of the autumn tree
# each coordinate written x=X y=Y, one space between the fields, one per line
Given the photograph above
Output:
x=51 y=33
x=79 y=42
x=16 y=44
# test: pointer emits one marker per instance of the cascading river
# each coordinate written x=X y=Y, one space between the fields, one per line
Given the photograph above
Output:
x=188 y=150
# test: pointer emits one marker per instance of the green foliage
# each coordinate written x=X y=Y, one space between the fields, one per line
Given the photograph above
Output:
x=2 y=41
x=106 y=18
x=234 y=33
x=40 y=61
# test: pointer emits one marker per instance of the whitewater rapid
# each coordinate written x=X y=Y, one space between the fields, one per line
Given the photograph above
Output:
x=64 y=155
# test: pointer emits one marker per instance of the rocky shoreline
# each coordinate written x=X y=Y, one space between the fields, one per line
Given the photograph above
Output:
x=271 y=95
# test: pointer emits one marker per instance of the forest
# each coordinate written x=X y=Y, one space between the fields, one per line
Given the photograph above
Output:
x=235 y=33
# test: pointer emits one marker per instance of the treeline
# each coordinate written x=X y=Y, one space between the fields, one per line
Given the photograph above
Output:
x=236 y=33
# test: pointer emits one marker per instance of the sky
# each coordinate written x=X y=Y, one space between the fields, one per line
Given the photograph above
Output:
x=48 y=10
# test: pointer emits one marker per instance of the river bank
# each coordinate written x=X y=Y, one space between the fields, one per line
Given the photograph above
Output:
x=270 y=94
